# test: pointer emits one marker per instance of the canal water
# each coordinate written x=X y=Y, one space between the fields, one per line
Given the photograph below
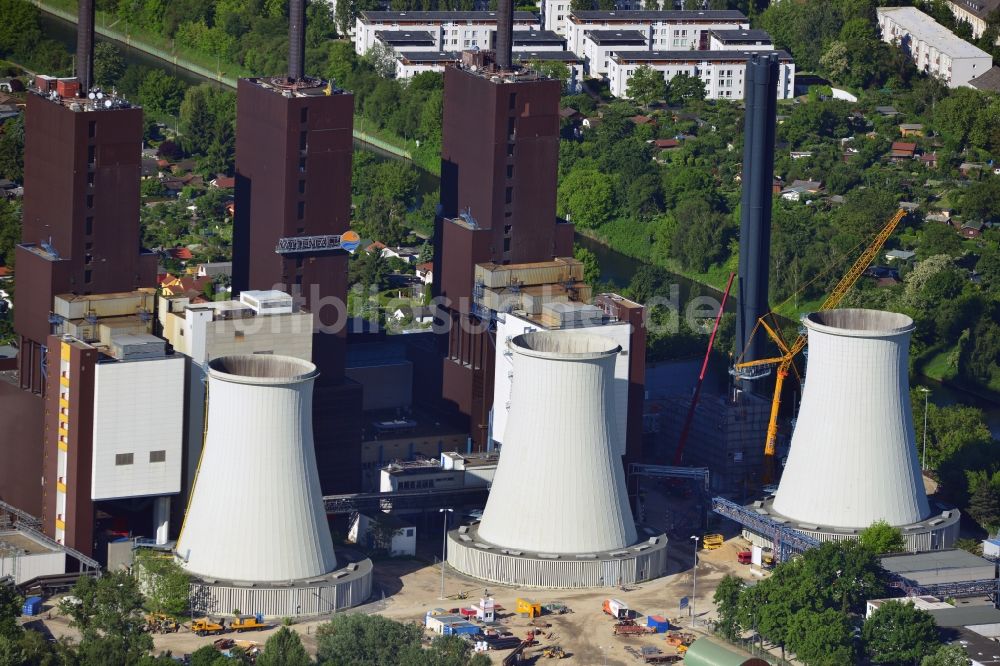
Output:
x=616 y=268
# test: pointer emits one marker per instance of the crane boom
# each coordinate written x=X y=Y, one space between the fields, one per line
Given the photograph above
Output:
x=789 y=352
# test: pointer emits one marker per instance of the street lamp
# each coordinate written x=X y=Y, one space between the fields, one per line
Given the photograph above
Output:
x=444 y=545
x=923 y=458
x=694 y=581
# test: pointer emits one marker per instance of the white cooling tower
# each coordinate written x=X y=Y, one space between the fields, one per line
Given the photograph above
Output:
x=559 y=485
x=256 y=512
x=853 y=459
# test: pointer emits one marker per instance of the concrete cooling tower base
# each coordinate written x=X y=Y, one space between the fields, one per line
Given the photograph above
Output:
x=335 y=591
x=471 y=555
x=938 y=531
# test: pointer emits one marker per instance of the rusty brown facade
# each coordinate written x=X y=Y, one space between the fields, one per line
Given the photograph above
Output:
x=294 y=147
x=499 y=161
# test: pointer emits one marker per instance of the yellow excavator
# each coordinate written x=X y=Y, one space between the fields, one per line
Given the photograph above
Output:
x=761 y=367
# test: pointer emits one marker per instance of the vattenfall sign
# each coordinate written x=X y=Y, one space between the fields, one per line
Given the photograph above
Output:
x=347 y=241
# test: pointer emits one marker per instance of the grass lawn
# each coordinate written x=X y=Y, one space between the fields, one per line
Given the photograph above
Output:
x=936 y=364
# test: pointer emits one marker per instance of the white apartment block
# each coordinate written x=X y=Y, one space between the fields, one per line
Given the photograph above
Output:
x=975 y=13
x=410 y=63
x=555 y=12
x=598 y=45
x=721 y=71
x=452 y=31
x=933 y=48
x=674 y=30
x=740 y=40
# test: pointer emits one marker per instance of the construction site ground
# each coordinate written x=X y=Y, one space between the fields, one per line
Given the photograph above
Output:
x=406 y=589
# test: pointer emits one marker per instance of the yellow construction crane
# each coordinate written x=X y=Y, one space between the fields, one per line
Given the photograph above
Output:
x=752 y=369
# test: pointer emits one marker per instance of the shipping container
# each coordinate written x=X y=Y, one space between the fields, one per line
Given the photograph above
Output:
x=659 y=623
x=32 y=606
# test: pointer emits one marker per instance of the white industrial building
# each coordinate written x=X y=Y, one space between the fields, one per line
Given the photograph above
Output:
x=933 y=48
x=560 y=453
x=722 y=72
x=669 y=30
x=451 y=30
x=853 y=457
x=255 y=535
x=388 y=532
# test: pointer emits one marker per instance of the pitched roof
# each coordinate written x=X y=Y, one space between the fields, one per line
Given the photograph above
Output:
x=988 y=80
x=181 y=253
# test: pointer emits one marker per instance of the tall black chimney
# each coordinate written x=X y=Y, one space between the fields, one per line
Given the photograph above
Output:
x=755 y=212
x=296 y=39
x=505 y=29
x=85 y=45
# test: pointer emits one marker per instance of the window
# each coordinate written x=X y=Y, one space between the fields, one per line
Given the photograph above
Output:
x=506 y=245
x=90 y=179
x=507 y=228
x=510 y=128
x=92 y=129
x=510 y=171
x=89 y=226
x=304 y=115
x=510 y=150
x=303 y=140
x=302 y=187
x=409 y=531
x=301 y=210
x=157 y=456
x=239 y=335
x=91 y=155
x=87 y=276
x=508 y=194
x=513 y=101
x=90 y=201
x=123 y=459
x=302 y=164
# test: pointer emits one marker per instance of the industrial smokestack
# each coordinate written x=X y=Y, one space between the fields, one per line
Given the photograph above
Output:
x=296 y=39
x=853 y=459
x=85 y=45
x=505 y=32
x=755 y=211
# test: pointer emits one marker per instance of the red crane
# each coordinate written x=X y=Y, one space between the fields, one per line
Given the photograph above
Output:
x=701 y=377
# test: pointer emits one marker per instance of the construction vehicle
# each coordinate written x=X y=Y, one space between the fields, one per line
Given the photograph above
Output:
x=160 y=623
x=248 y=623
x=205 y=627
x=616 y=609
x=680 y=640
x=631 y=628
x=532 y=609
x=767 y=558
x=744 y=557
x=759 y=368
x=712 y=541
x=554 y=652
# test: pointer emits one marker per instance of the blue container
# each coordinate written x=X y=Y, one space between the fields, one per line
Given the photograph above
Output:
x=32 y=606
x=661 y=624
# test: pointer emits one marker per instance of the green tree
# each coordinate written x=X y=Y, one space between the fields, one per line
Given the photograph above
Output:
x=197 y=123
x=161 y=94
x=881 y=537
x=947 y=655
x=683 y=88
x=109 y=618
x=284 y=648
x=10 y=231
x=727 y=599
x=646 y=85
x=165 y=583
x=10 y=610
x=12 y=149
x=552 y=69
x=364 y=640
x=109 y=65
x=898 y=633
x=984 y=506
x=588 y=197
x=19 y=30
x=701 y=234
x=591 y=268
x=821 y=638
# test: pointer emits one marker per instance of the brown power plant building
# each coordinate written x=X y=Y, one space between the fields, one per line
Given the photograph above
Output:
x=294 y=146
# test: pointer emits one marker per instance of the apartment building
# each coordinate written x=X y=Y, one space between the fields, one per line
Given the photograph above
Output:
x=740 y=40
x=975 y=13
x=451 y=30
x=721 y=71
x=554 y=12
x=933 y=48
x=674 y=30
